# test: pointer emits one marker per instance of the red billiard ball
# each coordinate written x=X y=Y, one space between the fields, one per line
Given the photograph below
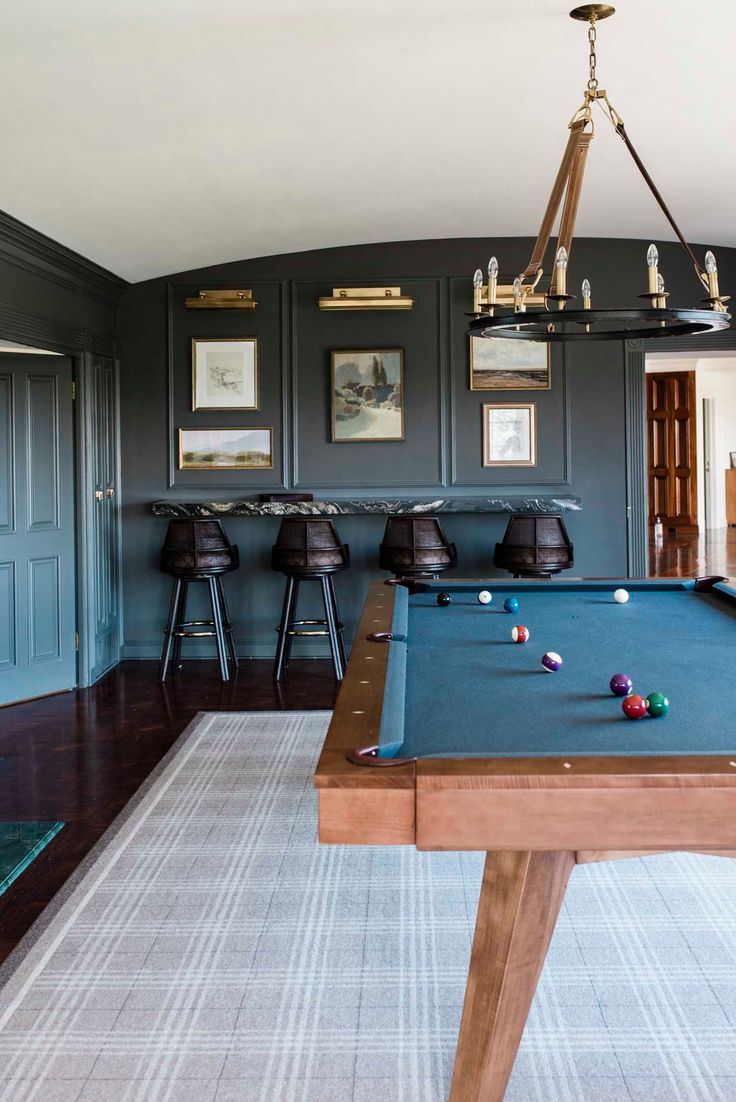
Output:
x=520 y=634
x=635 y=706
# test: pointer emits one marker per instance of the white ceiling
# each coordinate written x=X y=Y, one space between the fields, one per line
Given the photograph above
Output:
x=158 y=135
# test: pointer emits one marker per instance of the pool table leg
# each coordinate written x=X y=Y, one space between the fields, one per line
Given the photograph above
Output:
x=520 y=899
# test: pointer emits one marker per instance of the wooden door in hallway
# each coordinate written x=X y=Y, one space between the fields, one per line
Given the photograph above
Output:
x=672 y=455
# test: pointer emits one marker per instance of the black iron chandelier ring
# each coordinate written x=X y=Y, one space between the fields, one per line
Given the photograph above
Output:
x=549 y=326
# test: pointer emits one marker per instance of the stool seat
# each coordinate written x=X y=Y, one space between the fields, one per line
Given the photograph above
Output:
x=309 y=549
x=534 y=546
x=198 y=550
x=416 y=547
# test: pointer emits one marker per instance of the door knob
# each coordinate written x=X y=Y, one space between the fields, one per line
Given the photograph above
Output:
x=110 y=491
x=99 y=495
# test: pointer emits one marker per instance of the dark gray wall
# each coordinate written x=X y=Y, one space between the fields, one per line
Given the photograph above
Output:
x=581 y=420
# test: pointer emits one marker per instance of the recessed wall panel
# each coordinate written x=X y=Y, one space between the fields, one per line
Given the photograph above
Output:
x=44 y=596
x=42 y=452
x=7 y=471
x=8 y=618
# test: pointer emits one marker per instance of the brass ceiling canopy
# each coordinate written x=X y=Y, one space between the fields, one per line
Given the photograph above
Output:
x=530 y=309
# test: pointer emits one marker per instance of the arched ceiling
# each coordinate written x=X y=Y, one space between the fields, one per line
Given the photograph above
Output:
x=158 y=135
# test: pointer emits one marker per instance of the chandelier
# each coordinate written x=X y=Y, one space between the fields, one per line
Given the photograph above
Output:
x=525 y=310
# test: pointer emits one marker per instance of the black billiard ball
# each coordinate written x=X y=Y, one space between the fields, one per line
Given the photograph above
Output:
x=443 y=598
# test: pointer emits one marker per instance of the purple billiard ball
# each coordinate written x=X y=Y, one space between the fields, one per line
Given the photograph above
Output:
x=551 y=661
x=621 y=684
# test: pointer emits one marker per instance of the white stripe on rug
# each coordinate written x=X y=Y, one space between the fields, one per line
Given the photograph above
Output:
x=211 y=950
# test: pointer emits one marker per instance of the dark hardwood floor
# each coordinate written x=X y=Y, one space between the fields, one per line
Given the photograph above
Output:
x=80 y=756
x=694 y=556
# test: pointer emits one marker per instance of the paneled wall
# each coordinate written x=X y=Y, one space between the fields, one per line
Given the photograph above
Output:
x=582 y=419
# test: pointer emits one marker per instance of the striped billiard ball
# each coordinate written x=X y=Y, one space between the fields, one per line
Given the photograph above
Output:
x=551 y=661
x=520 y=634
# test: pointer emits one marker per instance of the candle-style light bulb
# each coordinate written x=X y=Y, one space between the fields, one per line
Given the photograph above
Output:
x=586 y=294
x=660 y=302
x=492 y=280
x=561 y=271
x=652 y=262
x=517 y=294
x=712 y=270
x=477 y=284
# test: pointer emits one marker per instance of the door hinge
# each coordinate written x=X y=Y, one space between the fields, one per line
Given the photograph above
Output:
x=74 y=390
x=76 y=640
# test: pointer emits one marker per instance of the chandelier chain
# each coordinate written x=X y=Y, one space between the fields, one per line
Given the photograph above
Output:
x=592 y=59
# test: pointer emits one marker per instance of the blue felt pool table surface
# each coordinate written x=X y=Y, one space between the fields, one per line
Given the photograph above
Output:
x=456 y=685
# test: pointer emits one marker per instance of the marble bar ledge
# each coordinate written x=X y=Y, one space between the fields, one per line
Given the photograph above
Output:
x=252 y=507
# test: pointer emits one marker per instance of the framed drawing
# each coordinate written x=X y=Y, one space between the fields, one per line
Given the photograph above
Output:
x=225 y=373
x=367 y=395
x=225 y=449
x=509 y=434
x=509 y=365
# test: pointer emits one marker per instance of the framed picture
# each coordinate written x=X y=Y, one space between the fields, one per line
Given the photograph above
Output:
x=225 y=449
x=225 y=373
x=509 y=365
x=367 y=395
x=509 y=434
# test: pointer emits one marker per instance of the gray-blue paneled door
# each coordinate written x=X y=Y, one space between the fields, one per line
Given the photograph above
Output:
x=37 y=550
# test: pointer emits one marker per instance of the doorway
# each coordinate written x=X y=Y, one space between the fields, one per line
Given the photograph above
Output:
x=689 y=462
x=38 y=599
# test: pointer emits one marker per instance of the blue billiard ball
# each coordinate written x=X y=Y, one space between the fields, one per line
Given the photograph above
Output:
x=511 y=604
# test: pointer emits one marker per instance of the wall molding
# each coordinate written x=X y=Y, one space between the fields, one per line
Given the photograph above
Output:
x=27 y=248
x=637 y=489
x=19 y=325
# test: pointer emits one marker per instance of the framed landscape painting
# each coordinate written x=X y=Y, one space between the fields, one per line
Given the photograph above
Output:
x=367 y=395
x=498 y=364
x=225 y=373
x=225 y=449
x=509 y=435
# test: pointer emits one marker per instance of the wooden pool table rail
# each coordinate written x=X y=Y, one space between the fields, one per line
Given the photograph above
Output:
x=593 y=803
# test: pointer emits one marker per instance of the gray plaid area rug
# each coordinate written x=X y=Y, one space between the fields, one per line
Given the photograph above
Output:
x=211 y=950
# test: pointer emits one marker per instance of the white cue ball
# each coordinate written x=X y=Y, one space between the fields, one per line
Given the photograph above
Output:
x=485 y=597
x=621 y=596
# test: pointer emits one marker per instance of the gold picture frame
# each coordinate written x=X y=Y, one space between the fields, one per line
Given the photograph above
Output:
x=355 y=377
x=225 y=374
x=497 y=364
x=509 y=437
x=224 y=444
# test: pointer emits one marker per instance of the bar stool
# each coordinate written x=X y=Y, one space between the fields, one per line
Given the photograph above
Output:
x=198 y=551
x=416 y=547
x=534 y=546
x=309 y=548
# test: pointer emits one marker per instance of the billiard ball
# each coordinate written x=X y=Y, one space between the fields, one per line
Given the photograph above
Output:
x=551 y=661
x=621 y=684
x=634 y=706
x=485 y=597
x=443 y=598
x=511 y=604
x=657 y=705
x=520 y=634
x=620 y=596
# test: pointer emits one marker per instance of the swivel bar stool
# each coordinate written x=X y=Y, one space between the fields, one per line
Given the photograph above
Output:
x=309 y=548
x=198 y=551
x=415 y=547
x=534 y=546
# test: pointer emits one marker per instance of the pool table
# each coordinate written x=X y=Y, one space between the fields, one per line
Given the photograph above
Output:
x=446 y=735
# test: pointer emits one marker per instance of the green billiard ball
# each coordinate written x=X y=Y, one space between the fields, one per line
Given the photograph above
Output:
x=658 y=704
